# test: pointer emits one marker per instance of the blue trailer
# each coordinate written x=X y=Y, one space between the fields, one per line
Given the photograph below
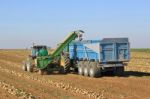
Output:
x=92 y=57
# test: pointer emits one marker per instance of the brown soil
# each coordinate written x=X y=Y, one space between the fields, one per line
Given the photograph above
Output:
x=5 y=95
x=134 y=85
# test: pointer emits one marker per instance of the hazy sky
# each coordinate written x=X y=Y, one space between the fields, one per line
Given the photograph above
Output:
x=23 y=22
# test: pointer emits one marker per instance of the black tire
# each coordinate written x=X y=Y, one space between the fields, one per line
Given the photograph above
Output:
x=81 y=68
x=86 y=68
x=24 y=67
x=94 y=70
x=67 y=63
x=119 y=71
x=41 y=72
x=61 y=70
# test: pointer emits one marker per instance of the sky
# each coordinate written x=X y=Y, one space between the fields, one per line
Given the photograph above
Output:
x=47 y=22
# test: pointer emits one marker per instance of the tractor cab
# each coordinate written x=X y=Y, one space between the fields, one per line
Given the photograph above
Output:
x=38 y=50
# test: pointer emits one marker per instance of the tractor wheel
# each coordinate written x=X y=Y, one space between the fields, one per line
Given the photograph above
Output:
x=94 y=70
x=29 y=67
x=24 y=66
x=66 y=62
x=41 y=72
x=81 y=68
x=61 y=70
x=86 y=69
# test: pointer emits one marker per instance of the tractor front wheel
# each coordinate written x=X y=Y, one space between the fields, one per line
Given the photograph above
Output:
x=29 y=67
x=24 y=66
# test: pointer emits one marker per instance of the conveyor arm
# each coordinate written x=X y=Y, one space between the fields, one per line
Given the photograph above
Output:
x=66 y=42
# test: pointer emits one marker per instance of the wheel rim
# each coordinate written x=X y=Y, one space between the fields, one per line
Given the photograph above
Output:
x=24 y=67
x=29 y=67
x=80 y=70
x=92 y=72
x=86 y=71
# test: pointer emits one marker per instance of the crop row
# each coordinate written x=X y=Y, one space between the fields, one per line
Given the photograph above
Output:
x=15 y=91
x=66 y=87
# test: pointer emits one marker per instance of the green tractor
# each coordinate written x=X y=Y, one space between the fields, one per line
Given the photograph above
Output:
x=44 y=63
x=36 y=51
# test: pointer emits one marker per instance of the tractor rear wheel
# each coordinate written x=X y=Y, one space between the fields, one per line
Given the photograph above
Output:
x=66 y=64
x=61 y=70
x=41 y=72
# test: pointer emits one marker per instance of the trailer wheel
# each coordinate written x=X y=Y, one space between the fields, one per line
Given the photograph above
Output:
x=119 y=71
x=86 y=69
x=94 y=70
x=81 y=68
x=24 y=66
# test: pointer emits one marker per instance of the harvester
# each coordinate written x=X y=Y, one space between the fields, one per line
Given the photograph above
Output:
x=86 y=57
x=57 y=61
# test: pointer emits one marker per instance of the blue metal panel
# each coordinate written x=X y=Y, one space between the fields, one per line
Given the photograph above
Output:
x=109 y=50
x=115 y=50
x=80 y=51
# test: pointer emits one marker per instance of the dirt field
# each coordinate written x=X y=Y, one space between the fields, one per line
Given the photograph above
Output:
x=15 y=83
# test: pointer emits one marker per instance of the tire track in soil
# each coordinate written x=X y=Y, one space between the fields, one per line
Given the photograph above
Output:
x=60 y=85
